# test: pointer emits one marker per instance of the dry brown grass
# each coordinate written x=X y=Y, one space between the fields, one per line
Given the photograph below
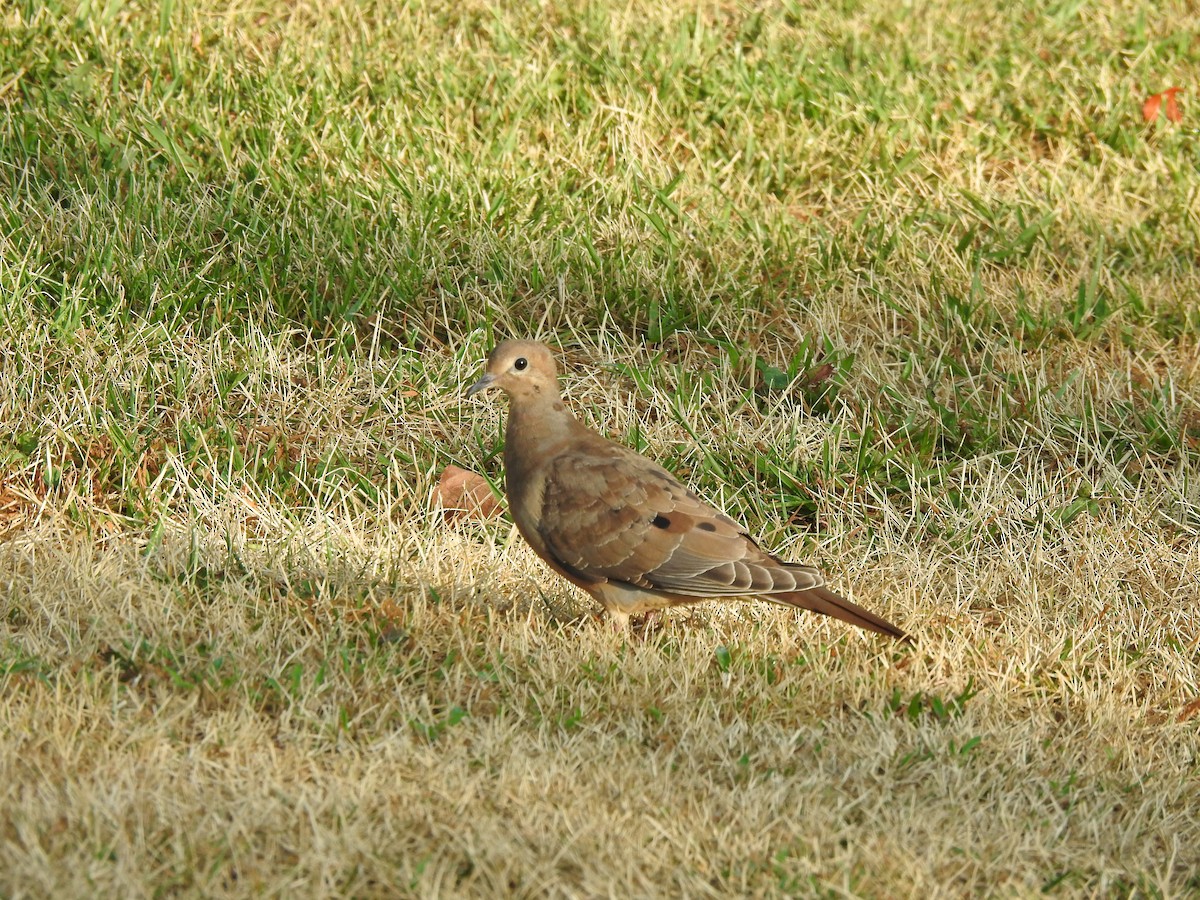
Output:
x=263 y=701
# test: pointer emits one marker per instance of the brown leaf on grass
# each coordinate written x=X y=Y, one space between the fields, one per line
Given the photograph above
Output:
x=464 y=494
x=819 y=374
x=13 y=504
x=1190 y=710
x=1164 y=102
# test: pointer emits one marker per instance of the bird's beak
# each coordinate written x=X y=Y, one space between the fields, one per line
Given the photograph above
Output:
x=482 y=384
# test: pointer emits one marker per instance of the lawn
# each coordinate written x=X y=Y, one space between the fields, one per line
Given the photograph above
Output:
x=911 y=289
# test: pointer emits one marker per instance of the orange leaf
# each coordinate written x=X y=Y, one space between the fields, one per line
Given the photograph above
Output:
x=1190 y=710
x=1154 y=103
x=463 y=494
x=1172 y=108
x=1150 y=107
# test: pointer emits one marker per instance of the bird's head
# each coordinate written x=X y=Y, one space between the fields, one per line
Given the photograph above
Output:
x=522 y=369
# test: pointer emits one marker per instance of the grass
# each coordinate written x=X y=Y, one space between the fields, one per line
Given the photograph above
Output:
x=909 y=290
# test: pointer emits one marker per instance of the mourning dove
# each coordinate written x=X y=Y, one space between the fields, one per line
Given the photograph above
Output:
x=619 y=525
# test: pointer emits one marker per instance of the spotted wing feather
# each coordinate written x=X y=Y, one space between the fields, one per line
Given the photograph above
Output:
x=609 y=513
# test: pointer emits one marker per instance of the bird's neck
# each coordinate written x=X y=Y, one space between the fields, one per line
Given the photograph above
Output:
x=538 y=424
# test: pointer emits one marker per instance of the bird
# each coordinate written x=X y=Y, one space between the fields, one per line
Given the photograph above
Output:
x=620 y=526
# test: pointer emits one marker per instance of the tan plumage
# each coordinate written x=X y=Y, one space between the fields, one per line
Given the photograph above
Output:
x=619 y=525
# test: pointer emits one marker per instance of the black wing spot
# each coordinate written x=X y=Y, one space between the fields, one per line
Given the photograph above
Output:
x=660 y=522
x=707 y=526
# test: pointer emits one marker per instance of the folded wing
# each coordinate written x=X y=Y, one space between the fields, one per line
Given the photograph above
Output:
x=609 y=513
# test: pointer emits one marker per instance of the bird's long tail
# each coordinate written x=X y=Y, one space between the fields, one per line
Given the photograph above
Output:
x=828 y=603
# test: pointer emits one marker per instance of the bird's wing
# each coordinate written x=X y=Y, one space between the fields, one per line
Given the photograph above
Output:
x=610 y=513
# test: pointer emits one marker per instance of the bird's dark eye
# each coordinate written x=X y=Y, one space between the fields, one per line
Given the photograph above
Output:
x=520 y=364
